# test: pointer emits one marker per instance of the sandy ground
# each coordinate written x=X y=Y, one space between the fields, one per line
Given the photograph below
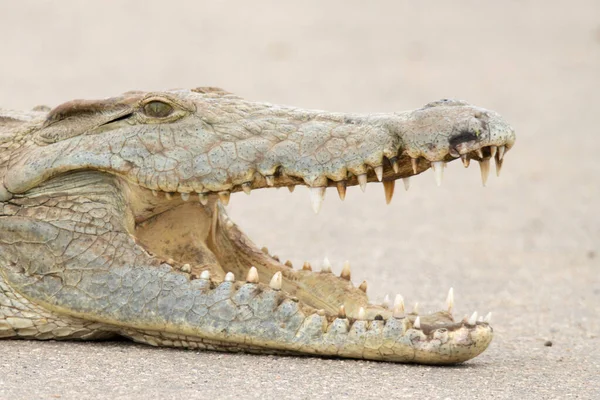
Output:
x=527 y=247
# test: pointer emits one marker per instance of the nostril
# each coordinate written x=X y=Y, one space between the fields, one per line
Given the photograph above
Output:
x=461 y=138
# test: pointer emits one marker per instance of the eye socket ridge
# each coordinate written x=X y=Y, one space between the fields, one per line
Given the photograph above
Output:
x=158 y=109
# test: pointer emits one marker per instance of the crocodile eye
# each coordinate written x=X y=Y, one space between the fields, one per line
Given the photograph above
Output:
x=158 y=109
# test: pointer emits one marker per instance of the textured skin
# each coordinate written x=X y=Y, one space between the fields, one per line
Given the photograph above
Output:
x=110 y=213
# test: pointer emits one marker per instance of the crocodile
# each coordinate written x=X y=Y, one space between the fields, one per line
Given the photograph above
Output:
x=113 y=223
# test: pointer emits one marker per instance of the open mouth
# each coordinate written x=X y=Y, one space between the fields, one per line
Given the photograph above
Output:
x=193 y=233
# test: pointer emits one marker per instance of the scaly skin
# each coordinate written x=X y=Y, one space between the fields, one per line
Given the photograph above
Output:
x=112 y=223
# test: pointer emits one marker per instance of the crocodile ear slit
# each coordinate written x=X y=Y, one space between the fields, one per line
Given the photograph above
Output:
x=77 y=117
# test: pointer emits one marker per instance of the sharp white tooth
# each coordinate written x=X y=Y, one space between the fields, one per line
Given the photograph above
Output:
x=229 y=277
x=342 y=312
x=479 y=153
x=291 y=188
x=386 y=301
x=154 y=193
x=168 y=195
x=270 y=180
x=185 y=196
x=317 y=195
x=488 y=318
x=346 y=271
x=416 y=308
x=417 y=323
x=493 y=150
x=473 y=319
x=394 y=163
x=247 y=187
x=341 y=188
x=398 y=311
x=203 y=198
x=480 y=319
x=450 y=301
x=276 y=281
x=362 y=181
x=484 y=165
x=498 y=166
x=406 y=182
x=379 y=173
x=205 y=275
x=326 y=267
x=388 y=188
x=363 y=286
x=224 y=197
x=438 y=169
x=186 y=268
x=501 y=151
x=362 y=315
x=252 y=276
x=413 y=162
x=465 y=160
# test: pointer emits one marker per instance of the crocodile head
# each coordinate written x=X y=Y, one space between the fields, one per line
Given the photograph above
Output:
x=171 y=160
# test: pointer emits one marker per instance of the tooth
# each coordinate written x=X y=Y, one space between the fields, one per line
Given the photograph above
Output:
x=417 y=323
x=363 y=286
x=229 y=277
x=388 y=187
x=289 y=264
x=317 y=195
x=398 y=311
x=493 y=150
x=203 y=198
x=413 y=162
x=291 y=188
x=473 y=319
x=406 y=182
x=394 y=163
x=326 y=267
x=498 y=166
x=361 y=314
x=488 y=318
x=346 y=271
x=276 y=281
x=154 y=193
x=386 y=301
x=501 y=151
x=479 y=153
x=480 y=319
x=465 y=160
x=416 y=308
x=168 y=195
x=265 y=250
x=379 y=172
x=307 y=266
x=205 y=275
x=186 y=268
x=341 y=188
x=484 y=165
x=270 y=180
x=342 y=312
x=247 y=187
x=450 y=301
x=252 y=276
x=362 y=181
x=438 y=169
x=224 y=197
x=185 y=196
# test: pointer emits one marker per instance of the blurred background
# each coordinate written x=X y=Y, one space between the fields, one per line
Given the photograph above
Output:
x=526 y=247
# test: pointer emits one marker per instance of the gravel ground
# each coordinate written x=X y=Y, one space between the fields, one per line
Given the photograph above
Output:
x=527 y=247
